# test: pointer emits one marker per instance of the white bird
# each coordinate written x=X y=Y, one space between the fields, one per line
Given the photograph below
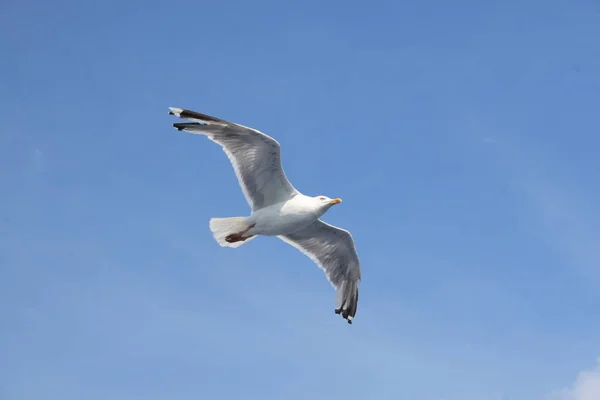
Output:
x=278 y=209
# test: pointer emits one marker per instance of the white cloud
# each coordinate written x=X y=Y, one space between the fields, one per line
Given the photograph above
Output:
x=585 y=387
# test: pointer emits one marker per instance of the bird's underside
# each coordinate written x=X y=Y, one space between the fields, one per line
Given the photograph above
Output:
x=241 y=236
x=257 y=164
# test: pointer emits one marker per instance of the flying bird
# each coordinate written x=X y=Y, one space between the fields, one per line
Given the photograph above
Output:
x=277 y=208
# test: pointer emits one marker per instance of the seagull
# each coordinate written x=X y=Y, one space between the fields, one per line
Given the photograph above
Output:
x=277 y=208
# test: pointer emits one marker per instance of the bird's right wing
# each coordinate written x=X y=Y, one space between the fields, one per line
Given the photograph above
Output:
x=255 y=157
x=332 y=249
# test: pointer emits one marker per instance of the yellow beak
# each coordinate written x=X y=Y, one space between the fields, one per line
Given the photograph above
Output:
x=336 y=201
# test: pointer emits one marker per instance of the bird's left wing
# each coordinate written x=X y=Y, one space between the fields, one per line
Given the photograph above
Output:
x=255 y=156
x=332 y=249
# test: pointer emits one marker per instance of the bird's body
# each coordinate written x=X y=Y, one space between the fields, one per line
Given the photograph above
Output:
x=286 y=217
x=277 y=208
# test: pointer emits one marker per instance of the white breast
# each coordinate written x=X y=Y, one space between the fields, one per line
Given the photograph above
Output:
x=285 y=218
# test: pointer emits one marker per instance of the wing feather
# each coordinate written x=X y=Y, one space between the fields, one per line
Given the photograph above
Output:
x=333 y=250
x=255 y=157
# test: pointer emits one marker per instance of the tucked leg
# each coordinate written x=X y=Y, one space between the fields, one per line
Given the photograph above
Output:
x=239 y=236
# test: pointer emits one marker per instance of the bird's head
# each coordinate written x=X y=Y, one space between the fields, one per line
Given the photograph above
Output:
x=326 y=202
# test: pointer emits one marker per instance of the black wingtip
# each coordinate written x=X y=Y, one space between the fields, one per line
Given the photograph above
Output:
x=345 y=314
x=196 y=115
x=182 y=125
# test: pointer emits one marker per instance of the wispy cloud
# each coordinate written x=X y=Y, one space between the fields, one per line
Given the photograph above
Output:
x=558 y=212
x=562 y=212
x=38 y=160
x=567 y=223
x=480 y=133
x=585 y=387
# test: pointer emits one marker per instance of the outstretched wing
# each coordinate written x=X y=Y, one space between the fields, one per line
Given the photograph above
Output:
x=333 y=250
x=255 y=157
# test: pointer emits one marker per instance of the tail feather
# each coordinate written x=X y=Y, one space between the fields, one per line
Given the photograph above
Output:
x=223 y=227
x=347 y=299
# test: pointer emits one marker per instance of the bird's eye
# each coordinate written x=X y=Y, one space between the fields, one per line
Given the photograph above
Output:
x=321 y=198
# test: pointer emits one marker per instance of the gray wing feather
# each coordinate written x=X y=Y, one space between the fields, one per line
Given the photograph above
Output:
x=255 y=157
x=333 y=250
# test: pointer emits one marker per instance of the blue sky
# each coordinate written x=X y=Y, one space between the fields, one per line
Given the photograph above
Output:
x=462 y=136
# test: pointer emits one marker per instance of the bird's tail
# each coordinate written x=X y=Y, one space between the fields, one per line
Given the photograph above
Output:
x=230 y=232
x=347 y=299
